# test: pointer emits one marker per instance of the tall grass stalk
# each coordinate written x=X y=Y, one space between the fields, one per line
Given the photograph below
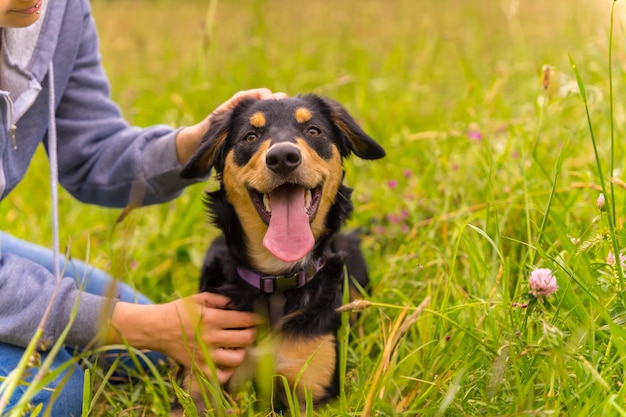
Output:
x=609 y=198
x=612 y=112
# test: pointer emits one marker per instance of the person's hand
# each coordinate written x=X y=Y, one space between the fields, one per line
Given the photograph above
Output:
x=189 y=138
x=178 y=329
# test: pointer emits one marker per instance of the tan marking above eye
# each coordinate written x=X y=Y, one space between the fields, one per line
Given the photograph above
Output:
x=257 y=119
x=303 y=115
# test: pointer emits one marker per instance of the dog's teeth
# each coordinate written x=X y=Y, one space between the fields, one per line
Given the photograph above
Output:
x=266 y=203
x=307 y=200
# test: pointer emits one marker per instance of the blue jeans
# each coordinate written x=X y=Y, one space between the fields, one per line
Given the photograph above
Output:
x=95 y=281
x=69 y=401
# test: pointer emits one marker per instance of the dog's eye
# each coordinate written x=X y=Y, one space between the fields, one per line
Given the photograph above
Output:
x=250 y=137
x=313 y=131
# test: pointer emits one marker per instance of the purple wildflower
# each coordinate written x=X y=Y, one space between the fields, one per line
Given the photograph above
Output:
x=392 y=183
x=601 y=203
x=393 y=218
x=475 y=135
x=610 y=259
x=380 y=230
x=407 y=173
x=542 y=283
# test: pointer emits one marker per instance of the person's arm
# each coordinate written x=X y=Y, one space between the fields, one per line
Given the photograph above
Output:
x=179 y=328
x=100 y=155
x=27 y=289
x=176 y=329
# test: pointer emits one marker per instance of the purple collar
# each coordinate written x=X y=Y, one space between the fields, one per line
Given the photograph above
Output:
x=277 y=283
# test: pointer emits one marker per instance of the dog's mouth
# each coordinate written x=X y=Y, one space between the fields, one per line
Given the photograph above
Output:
x=292 y=196
x=288 y=211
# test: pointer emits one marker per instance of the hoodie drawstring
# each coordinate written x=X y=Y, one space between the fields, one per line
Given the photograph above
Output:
x=12 y=126
x=54 y=173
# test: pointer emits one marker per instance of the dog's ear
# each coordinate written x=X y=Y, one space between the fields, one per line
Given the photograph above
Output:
x=203 y=159
x=359 y=142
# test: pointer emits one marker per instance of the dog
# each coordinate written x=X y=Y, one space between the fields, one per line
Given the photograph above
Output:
x=280 y=207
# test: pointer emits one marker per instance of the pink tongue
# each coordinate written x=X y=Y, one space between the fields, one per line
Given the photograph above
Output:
x=289 y=236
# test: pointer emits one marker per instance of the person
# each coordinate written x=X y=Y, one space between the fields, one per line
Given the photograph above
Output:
x=53 y=90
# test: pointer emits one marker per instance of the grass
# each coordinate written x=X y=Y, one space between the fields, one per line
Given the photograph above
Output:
x=493 y=170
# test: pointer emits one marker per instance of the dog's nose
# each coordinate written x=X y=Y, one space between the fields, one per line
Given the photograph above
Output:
x=283 y=159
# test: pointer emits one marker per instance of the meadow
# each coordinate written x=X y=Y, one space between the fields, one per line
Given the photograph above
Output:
x=498 y=149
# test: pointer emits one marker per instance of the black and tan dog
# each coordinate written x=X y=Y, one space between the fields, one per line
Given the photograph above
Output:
x=280 y=206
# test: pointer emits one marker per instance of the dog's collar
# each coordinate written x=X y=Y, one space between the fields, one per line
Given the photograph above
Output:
x=277 y=283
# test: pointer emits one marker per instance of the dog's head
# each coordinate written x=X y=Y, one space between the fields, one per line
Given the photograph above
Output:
x=280 y=164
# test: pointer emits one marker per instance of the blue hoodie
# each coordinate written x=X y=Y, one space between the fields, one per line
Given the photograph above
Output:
x=99 y=156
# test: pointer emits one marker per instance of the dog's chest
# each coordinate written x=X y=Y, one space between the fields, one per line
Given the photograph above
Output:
x=306 y=362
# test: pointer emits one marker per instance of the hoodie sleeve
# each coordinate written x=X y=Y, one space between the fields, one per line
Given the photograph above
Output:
x=32 y=289
x=100 y=156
